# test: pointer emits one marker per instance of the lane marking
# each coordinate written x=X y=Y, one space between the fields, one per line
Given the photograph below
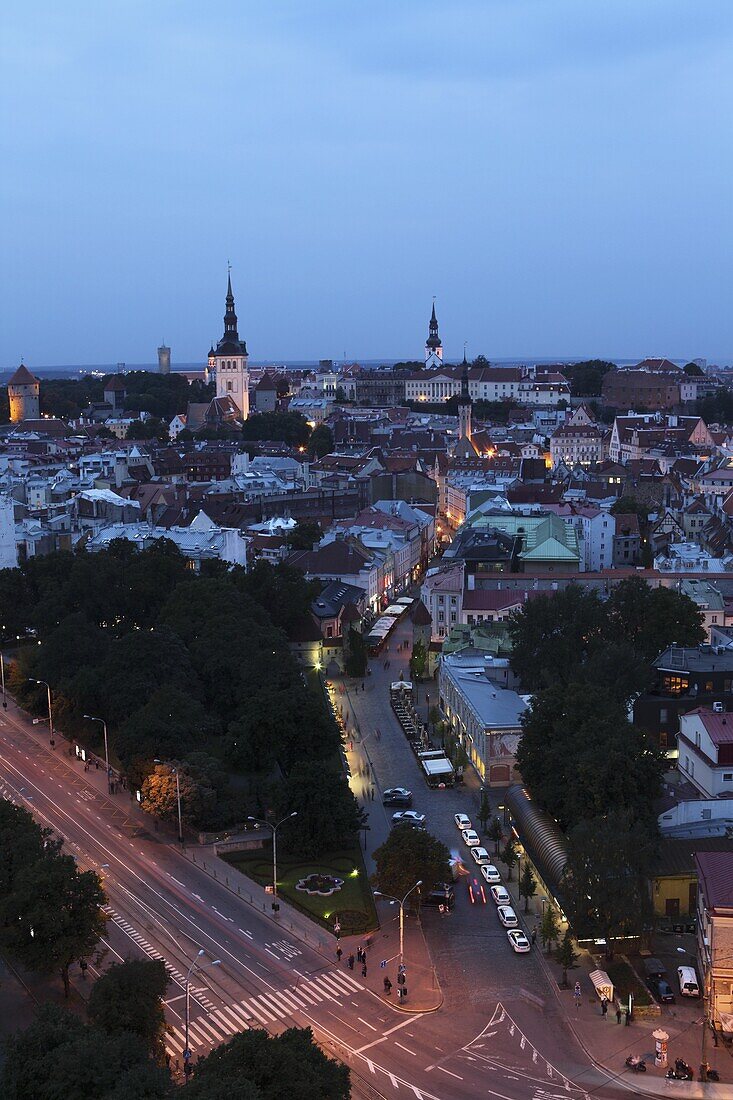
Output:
x=412 y=1052
x=449 y=1072
x=366 y=1023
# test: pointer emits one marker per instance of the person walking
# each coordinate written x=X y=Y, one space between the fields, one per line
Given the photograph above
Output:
x=359 y=954
x=619 y=1014
x=604 y=1006
x=339 y=953
x=387 y=987
x=576 y=997
x=534 y=936
x=351 y=961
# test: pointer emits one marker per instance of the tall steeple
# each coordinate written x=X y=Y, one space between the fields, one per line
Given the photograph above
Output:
x=464 y=403
x=228 y=360
x=433 y=344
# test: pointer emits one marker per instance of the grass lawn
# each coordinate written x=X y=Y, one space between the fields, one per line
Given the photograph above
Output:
x=625 y=981
x=353 y=903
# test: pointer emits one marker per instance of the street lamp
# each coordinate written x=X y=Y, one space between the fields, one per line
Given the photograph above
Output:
x=274 y=828
x=380 y=894
x=50 y=712
x=91 y=718
x=192 y=968
x=174 y=771
x=2 y=674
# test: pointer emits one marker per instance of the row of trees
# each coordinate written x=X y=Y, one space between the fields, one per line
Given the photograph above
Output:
x=50 y=912
x=119 y=1052
x=585 y=659
x=191 y=670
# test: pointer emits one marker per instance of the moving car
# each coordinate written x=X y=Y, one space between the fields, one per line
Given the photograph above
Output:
x=519 y=941
x=476 y=891
x=507 y=916
x=409 y=817
x=397 y=796
x=501 y=895
x=480 y=856
x=490 y=873
x=472 y=839
x=463 y=821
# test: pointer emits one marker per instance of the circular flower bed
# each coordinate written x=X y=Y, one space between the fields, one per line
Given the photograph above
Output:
x=323 y=885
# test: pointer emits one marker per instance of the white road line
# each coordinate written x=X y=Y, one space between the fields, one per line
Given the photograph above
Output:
x=449 y=1072
x=245 y=932
x=260 y=1013
x=375 y=1042
x=231 y=1012
x=269 y=1000
x=366 y=1023
x=206 y=1025
x=412 y=1052
x=273 y=954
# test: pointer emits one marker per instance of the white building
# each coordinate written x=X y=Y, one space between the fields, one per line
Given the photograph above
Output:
x=705 y=744
x=201 y=541
x=228 y=363
x=576 y=445
x=8 y=547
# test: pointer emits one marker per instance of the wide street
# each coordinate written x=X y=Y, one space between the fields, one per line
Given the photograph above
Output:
x=497 y=1034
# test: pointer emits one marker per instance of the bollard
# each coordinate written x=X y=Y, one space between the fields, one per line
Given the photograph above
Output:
x=227 y=881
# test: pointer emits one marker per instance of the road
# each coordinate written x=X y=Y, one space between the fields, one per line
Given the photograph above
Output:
x=161 y=905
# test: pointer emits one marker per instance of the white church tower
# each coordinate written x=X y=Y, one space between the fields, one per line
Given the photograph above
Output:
x=433 y=345
x=228 y=362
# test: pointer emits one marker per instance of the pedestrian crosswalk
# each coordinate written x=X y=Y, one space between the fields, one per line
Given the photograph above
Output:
x=265 y=1010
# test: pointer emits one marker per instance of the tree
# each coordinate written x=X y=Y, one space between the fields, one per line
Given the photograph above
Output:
x=329 y=817
x=509 y=857
x=289 y=427
x=23 y=842
x=553 y=634
x=407 y=856
x=61 y=1056
x=129 y=998
x=566 y=956
x=605 y=881
x=527 y=885
x=321 y=441
x=419 y=659
x=650 y=619
x=255 y=1066
x=304 y=535
x=484 y=810
x=53 y=915
x=496 y=833
x=549 y=927
x=357 y=657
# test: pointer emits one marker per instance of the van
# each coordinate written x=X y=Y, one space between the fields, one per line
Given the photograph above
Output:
x=688 y=981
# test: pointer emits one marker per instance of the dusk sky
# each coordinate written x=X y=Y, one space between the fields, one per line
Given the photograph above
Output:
x=557 y=172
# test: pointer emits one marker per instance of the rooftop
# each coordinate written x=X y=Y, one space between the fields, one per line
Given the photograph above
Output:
x=493 y=706
x=704 y=658
x=715 y=877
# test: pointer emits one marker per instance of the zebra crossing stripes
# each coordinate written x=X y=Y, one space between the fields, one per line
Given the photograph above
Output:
x=264 y=1010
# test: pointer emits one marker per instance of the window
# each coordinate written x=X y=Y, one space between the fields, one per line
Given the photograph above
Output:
x=708 y=685
x=663 y=739
x=706 y=815
x=728 y=777
x=676 y=685
x=663 y=714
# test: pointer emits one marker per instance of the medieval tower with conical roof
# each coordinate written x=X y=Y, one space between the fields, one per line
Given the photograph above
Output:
x=24 y=391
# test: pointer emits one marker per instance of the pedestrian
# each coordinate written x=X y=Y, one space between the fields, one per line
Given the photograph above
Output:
x=364 y=969
x=534 y=935
x=618 y=1014
x=387 y=986
x=339 y=953
x=372 y=794
x=363 y=687
x=351 y=961
x=604 y=1006
x=576 y=997
x=359 y=954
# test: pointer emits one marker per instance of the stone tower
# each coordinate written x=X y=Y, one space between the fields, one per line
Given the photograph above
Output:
x=164 y=359
x=229 y=361
x=24 y=395
x=464 y=404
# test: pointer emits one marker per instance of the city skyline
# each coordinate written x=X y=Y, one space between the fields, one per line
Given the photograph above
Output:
x=555 y=176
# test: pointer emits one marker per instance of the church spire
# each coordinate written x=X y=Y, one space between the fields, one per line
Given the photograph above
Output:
x=230 y=317
x=433 y=344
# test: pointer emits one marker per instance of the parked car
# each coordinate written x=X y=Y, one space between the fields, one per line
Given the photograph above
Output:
x=689 y=986
x=397 y=796
x=655 y=968
x=476 y=891
x=471 y=838
x=519 y=941
x=480 y=856
x=507 y=916
x=409 y=817
x=501 y=895
x=490 y=873
x=441 y=894
x=661 y=990
x=463 y=821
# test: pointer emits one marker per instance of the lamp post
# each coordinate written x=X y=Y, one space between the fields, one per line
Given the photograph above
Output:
x=380 y=894
x=91 y=718
x=192 y=968
x=2 y=673
x=274 y=828
x=50 y=712
x=174 y=771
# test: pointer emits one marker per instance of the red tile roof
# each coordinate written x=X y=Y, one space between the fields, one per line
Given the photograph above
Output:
x=715 y=877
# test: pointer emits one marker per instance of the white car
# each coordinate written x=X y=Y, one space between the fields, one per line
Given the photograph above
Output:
x=519 y=941
x=480 y=856
x=501 y=895
x=507 y=916
x=490 y=873
x=471 y=838
x=463 y=821
x=409 y=817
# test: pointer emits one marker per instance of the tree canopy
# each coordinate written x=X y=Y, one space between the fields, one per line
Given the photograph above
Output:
x=407 y=856
x=128 y=998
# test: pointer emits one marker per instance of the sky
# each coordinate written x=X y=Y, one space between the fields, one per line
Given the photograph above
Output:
x=557 y=173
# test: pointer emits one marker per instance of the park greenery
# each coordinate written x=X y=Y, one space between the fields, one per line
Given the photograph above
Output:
x=192 y=671
x=407 y=856
x=50 y=912
x=586 y=659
